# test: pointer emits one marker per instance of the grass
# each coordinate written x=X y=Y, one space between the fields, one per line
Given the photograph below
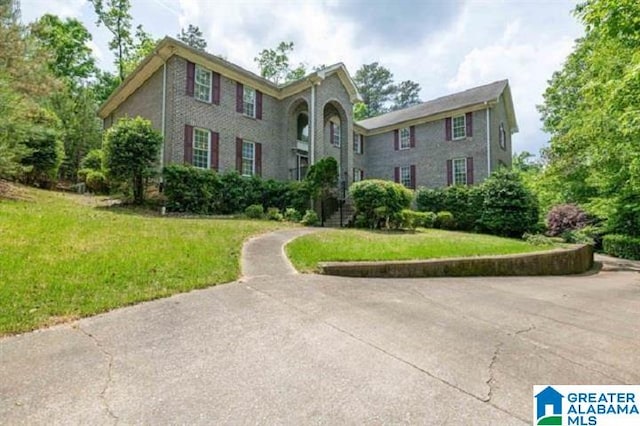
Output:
x=63 y=257
x=358 y=245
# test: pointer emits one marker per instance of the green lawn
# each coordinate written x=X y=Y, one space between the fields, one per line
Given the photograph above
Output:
x=353 y=245
x=61 y=257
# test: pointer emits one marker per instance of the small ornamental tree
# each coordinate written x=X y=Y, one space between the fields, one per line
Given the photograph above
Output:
x=131 y=149
x=509 y=209
x=565 y=217
x=322 y=180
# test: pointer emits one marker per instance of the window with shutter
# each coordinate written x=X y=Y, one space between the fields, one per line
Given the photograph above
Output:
x=459 y=127
x=203 y=84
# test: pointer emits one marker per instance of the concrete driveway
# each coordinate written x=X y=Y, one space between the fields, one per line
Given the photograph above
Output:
x=282 y=348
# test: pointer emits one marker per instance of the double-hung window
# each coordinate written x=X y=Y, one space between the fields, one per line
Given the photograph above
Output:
x=201 y=148
x=357 y=143
x=202 y=87
x=405 y=138
x=502 y=137
x=249 y=102
x=459 y=127
x=405 y=176
x=358 y=174
x=248 y=158
x=459 y=171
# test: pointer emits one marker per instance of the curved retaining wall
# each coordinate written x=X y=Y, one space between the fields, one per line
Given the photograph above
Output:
x=574 y=260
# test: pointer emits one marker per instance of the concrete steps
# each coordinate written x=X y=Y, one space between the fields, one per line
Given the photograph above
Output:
x=348 y=211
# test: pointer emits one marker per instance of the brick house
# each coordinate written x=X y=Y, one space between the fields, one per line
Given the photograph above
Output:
x=214 y=114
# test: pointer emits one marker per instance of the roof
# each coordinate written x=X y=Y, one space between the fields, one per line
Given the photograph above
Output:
x=168 y=47
x=477 y=95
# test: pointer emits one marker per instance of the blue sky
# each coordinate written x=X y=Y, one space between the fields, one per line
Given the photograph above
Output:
x=445 y=45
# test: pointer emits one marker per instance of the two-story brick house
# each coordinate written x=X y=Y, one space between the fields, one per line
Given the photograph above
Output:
x=214 y=114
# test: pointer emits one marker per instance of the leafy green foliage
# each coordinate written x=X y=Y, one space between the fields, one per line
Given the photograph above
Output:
x=509 y=208
x=310 y=218
x=322 y=179
x=623 y=246
x=115 y=15
x=466 y=201
x=193 y=37
x=538 y=239
x=292 y=215
x=379 y=203
x=97 y=182
x=273 y=213
x=625 y=218
x=274 y=64
x=131 y=149
x=445 y=220
x=67 y=42
x=407 y=94
x=93 y=160
x=45 y=154
x=191 y=190
x=254 y=211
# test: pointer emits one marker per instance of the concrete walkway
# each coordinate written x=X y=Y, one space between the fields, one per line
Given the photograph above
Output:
x=280 y=347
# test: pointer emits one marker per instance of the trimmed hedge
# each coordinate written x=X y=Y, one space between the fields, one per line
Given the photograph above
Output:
x=192 y=190
x=622 y=246
x=379 y=203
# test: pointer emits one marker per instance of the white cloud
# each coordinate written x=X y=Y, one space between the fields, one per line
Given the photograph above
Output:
x=33 y=9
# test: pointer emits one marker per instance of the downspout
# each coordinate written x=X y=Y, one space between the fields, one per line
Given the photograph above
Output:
x=164 y=112
x=312 y=124
x=488 y=139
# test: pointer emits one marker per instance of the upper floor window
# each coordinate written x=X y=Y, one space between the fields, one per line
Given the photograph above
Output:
x=249 y=102
x=405 y=138
x=248 y=158
x=459 y=171
x=201 y=148
x=357 y=143
x=502 y=135
x=302 y=132
x=203 y=83
x=335 y=133
x=459 y=127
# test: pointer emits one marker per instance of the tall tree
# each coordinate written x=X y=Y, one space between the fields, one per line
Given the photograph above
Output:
x=142 y=45
x=274 y=64
x=193 y=37
x=67 y=42
x=407 y=94
x=375 y=84
x=590 y=110
x=115 y=15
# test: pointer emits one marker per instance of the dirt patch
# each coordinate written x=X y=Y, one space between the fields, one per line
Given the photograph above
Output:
x=11 y=191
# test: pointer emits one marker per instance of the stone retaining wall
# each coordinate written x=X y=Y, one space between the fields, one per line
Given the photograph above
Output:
x=573 y=260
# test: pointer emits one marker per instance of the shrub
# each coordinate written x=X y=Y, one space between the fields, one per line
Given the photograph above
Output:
x=577 y=237
x=445 y=220
x=192 y=190
x=538 y=239
x=96 y=182
x=93 y=160
x=273 y=213
x=292 y=215
x=45 y=157
x=427 y=219
x=624 y=246
x=565 y=217
x=410 y=219
x=310 y=218
x=509 y=209
x=254 y=211
x=82 y=174
x=380 y=202
x=430 y=200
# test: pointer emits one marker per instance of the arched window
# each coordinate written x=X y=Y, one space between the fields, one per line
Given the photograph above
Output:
x=302 y=132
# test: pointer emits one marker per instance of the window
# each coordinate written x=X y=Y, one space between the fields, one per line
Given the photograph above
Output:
x=459 y=127
x=502 y=137
x=358 y=175
x=248 y=158
x=249 y=101
x=460 y=171
x=201 y=148
x=405 y=176
x=336 y=136
x=405 y=138
x=202 y=90
x=357 y=143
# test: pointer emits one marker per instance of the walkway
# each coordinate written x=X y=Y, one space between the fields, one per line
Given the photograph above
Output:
x=281 y=347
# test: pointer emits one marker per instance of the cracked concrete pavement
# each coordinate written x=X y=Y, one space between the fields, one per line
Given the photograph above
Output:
x=281 y=347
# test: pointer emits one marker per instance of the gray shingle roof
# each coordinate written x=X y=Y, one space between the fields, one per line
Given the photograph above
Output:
x=469 y=97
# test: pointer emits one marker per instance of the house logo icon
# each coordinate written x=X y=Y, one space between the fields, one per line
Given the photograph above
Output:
x=549 y=407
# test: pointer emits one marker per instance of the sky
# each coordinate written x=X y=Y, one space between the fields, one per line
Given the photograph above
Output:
x=444 y=45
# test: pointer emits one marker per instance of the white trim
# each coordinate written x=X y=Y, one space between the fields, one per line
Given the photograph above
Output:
x=400 y=147
x=193 y=147
x=244 y=104
x=253 y=159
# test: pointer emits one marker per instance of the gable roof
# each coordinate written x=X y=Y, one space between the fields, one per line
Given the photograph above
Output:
x=168 y=47
x=468 y=98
